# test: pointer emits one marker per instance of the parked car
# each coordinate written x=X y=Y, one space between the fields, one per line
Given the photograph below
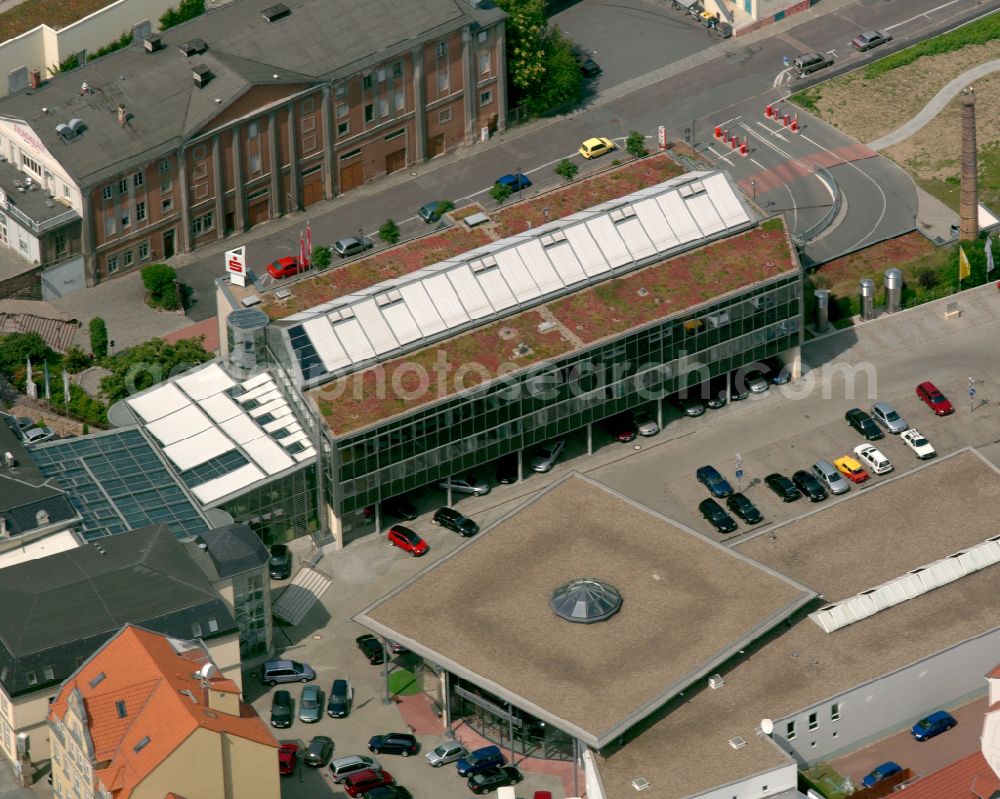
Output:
x=714 y=514
x=715 y=393
x=445 y=753
x=406 y=540
x=275 y=671
x=756 y=382
x=886 y=415
x=690 y=406
x=879 y=773
x=936 y=723
x=280 y=564
x=281 y=709
x=873 y=458
x=776 y=372
x=851 y=469
x=493 y=778
x=284 y=267
x=744 y=508
x=809 y=486
x=716 y=484
x=338 y=706
x=514 y=182
x=343 y=766
x=311 y=704
x=645 y=423
x=590 y=68
x=738 y=389
x=547 y=456
x=921 y=446
x=507 y=469
x=352 y=245
x=468 y=484
x=863 y=424
x=288 y=759
x=868 y=40
x=393 y=743
x=361 y=782
x=389 y=792
x=400 y=507
x=592 y=148
x=480 y=760
x=319 y=751
x=831 y=478
x=36 y=435
x=929 y=394
x=782 y=486
x=621 y=428
x=809 y=62
x=371 y=648
x=432 y=212
x=451 y=519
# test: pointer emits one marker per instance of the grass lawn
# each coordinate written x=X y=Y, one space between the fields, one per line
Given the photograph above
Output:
x=403 y=682
x=947 y=189
x=827 y=780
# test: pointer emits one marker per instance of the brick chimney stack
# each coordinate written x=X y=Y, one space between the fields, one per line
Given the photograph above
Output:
x=969 y=210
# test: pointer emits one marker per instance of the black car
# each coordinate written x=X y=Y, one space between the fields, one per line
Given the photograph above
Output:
x=451 y=519
x=744 y=508
x=280 y=565
x=590 y=68
x=809 y=485
x=782 y=486
x=319 y=751
x=389 y=792
x=400 y=507
x=738 y=389
x=507 y=469
x=716 y=516
x=864 y=424
x=281 y=709
x=371 y=648
x=493 y=778
x=339 y=704
x=393 y=743
x=715 y=393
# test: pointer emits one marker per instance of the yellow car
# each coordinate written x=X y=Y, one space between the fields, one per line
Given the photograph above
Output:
x=595 y=147
x=851 y=469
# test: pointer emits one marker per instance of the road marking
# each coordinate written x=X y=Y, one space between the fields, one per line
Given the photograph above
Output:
x=785 y=76
x=923 y=14
x=729 y=120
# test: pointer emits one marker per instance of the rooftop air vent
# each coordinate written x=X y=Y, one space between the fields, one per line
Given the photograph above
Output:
x=202 y=75
x=193 y=47
x=64 y=130
x=77 y=126
x=640 y=783
x=283 y=294
x=716 y=681
x=152 y=43
x=586 y=601
x=737 y=742
x=275 y=12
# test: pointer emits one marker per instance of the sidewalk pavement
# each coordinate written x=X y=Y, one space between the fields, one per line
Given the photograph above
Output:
x=934 y=218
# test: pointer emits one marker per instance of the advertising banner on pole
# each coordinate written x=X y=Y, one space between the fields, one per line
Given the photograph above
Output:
x=236 y=266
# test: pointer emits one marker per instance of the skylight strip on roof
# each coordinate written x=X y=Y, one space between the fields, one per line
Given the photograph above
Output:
x=635 y=238
x=705 y=215
x=287 y=420
x=517 y=275
x=227 y=484
x=326 y=344
x=269 y=455
x=220 y=407
x=655 y=224
x=179 y=425
x=257 y=393
x=241 y=429
x=446 y=300
x=401 y=321
x=198 y=449
x=353 y=339
x=376 y=329
x=727 y=202
x=203 y=383
x=496 y=289
x=306 y=454
x=610 y=241
x=257 y=380
x=469 y=293
x=679 y=217
x=425 y=313
x=586 y=251
x=159 y=402
x=540 y=267
x=275 y=406
x=299 y=436
x=566 y=264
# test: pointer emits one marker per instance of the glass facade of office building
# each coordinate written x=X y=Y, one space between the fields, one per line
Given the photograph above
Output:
x=280 y=510
x=549 y=400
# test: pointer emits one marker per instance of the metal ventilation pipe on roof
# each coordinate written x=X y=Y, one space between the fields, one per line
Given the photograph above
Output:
x=867 y=291
x=822 y=322
x=893 y=290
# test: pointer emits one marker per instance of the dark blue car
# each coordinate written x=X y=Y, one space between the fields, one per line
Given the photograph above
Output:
x=879 y=773
x=935 y=724
x=514 y=182
x=716 y=484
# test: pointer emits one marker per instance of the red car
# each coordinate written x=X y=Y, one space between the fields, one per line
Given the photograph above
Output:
x=934 y=399
x=406 y=540
x=621 y=428
x=288 y=758
x=360 y=782
x=284 y=267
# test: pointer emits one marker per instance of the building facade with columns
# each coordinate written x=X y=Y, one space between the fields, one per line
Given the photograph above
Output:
x=242 y=115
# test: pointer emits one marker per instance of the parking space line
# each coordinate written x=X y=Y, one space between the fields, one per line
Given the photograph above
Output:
x=922 y=14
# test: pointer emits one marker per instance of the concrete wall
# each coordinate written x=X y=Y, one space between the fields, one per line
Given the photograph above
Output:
x=885 y=705
x=768 y=783
x=64 y=278
x=225 y=654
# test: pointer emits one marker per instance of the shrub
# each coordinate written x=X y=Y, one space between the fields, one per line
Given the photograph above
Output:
x=188 y=9
x=636 y=144
x=566 y=169
x=806 y=99
x=122 y=41
x=160 y=281
x=76 y=360
x=16 y=348
x=389 y=232
x=322 y=256
x=927 y=278
x=98 y=337
x=500 y=192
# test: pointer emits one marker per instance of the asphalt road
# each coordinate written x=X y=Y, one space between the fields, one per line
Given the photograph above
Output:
x=684 y=78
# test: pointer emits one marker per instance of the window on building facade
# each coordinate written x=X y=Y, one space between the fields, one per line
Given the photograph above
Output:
x=59 y=240
x=813 y=721
x=383 y=106
x=107 y=192
x=397 y=69
x=120 y=709
x=140 y=211
x=342 y=110
x=255 y=163
x=167 y=204
x=50 y=673
x=213 y=626
x=112 y=264
x=31 y=164
x=164 y=167
x=32 y=678
x=369 y=112
x=790 y=731
x=123 y=186
x=343 y=128
x=442 y=81
x=125 y=219
x=442 y=50
x=308 y=106
x=485 y=98
x=341 y=91
x=109 y=225
x=366 y=82
x=351 y=154
x=444 y=115
x=484 y=63
x=127 y=258
x=196 y=629
x=381 y=74
x=203 y=223
x=835 y=711
x=65 y=190
x=144 y=251
x=138 y=179
x=397 y=100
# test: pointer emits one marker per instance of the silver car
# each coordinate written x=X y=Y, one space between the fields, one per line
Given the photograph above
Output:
x=547 y=456
x=466 y=485
x=352 y=245
x=311 y=704
x=448 y=752
x=36 y=435
x=886 y=415
x=645 y=424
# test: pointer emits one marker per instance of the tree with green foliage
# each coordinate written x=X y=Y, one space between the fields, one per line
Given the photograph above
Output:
x=150 y=363
x=76 y=360
x=121 y=42
x=160 y=281
x=188 y=9
x=389 y=232
x=636 y=144
x=322 y=256
x=566 y=169
x=98 y=338
x=500 y=192
x=16 y=348
x=71 y=61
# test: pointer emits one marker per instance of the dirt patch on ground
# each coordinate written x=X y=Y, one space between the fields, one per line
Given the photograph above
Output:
x=868 y=109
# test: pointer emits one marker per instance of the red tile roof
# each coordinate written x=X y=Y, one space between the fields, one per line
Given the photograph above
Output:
x=156 y=688
x=968 y=778
x=995 y=674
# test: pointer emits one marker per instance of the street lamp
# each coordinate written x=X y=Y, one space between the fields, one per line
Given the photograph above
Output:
x=519 y=182
x=545 y=213
x=753 y=187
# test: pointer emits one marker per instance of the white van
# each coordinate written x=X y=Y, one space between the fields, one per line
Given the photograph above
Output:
x=343 y=766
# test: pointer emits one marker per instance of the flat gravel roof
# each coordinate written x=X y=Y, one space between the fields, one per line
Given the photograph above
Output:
x=483 y=612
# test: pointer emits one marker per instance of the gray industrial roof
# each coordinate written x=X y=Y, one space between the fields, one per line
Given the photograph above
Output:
x=319 y=40
x=234 y=549
x=69 y=603
x=483 y=612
